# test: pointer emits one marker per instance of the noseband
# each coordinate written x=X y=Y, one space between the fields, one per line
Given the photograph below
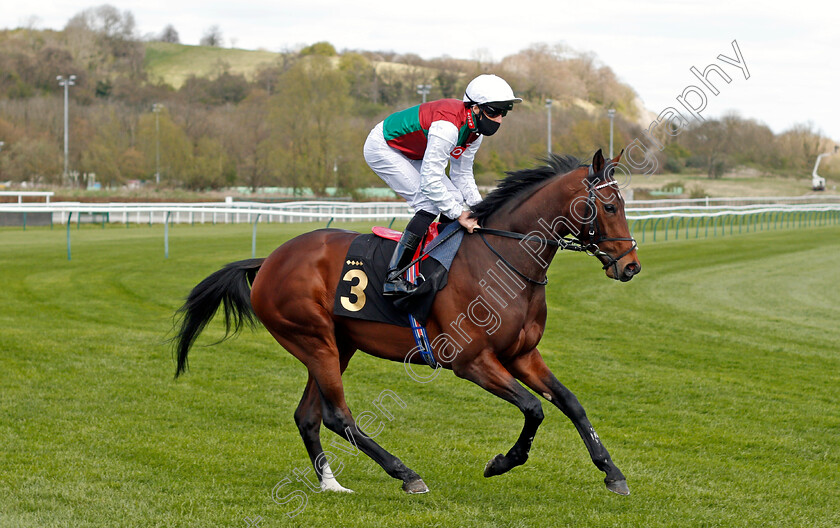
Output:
x=594 y=232
x=589 y=246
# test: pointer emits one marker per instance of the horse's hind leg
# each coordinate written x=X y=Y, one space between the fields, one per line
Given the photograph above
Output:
x=486 y=372
x=533 y=372
x=308 y=420
x=319 y=353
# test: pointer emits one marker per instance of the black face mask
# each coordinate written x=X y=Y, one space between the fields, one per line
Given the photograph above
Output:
x=486 y=126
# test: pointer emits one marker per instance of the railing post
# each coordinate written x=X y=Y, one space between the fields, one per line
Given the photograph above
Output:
x=69 y=216
x=254 y=238
x=166 y=235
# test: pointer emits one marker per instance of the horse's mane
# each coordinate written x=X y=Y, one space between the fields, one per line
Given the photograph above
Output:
x=517 y=182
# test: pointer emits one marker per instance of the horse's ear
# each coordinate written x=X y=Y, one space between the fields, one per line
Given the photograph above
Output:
x=617 y=158
x=598 y=162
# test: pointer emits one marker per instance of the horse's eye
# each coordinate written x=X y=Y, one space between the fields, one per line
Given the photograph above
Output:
x=610 y=208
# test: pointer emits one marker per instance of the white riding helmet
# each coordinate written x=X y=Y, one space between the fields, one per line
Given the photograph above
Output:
x=490 y=89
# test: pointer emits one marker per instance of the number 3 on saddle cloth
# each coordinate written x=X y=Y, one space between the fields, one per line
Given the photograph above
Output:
x=359 y=292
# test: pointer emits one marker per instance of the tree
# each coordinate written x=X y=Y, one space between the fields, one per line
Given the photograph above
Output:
x=228 y=88
x=169 y=34
x=32 y=159
x=211 y=167
x=711 y=141
x=212 y=37
x=176 y=151
x=102 y=37
x=800 y=145
x=109 y=152
x=252 y=141
x=323 y=48
x=361 y=77
x=106 y=21
x=309 y=113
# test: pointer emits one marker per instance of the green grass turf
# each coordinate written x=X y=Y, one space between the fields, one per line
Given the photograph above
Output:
x=175 y=63
x=712 y=378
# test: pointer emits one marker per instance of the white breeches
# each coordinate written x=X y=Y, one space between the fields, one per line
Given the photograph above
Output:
x=401 y=173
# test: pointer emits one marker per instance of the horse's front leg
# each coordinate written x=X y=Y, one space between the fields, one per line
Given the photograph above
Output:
x=533 y=372
x=486 y=372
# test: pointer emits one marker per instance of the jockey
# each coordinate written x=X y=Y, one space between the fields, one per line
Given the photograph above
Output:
x=410 y=149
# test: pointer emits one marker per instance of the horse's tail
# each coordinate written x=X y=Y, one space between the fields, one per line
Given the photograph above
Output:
x=229 y=286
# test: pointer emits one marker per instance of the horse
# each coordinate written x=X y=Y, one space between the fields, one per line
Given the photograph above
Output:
x=532 y=214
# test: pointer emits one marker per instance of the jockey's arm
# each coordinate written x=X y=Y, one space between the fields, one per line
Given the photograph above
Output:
x=442 y=139
x=461 y=173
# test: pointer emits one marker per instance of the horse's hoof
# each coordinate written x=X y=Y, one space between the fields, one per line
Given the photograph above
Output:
x=496 y=466
x=618 y=486
x=333 y=485
x=415 y=486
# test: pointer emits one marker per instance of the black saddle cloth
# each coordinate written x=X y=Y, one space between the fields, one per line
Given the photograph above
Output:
x=359 y=292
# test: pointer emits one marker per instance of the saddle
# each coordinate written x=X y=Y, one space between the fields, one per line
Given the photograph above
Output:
x=359 y=291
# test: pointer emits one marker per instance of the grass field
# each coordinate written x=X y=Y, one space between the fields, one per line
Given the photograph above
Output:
x=712 y=378
x=175 y=63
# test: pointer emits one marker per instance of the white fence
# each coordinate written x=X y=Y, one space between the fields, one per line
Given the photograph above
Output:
x=311 y=211
x=216 y=212
x=730 y=202
x=20 y=194
x=645 y=219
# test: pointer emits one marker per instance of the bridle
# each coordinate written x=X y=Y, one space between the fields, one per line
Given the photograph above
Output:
x=589 y=246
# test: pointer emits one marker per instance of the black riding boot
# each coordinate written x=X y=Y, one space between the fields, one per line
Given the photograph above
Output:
x=395 y=284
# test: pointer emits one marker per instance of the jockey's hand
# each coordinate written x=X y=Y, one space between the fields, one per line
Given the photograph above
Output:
x=469 y=223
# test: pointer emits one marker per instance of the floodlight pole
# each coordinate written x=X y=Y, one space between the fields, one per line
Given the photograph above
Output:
x=548 y=109
x=66 y=83
x=611 y=114
x=424 y=89
x=156 y=109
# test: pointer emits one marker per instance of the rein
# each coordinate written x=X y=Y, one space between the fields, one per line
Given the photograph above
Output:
x=571 y=245
x=427 y=251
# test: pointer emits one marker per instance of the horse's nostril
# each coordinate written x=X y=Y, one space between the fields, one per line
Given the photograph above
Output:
x=633 y=268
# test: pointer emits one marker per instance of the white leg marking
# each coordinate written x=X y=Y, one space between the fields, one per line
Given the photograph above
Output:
x=329 y=483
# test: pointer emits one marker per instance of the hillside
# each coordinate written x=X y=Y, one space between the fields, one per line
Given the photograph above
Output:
x=254 y=118
x=173 y=64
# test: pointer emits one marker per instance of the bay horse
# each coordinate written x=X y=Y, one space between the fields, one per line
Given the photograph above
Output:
x=529 y=217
